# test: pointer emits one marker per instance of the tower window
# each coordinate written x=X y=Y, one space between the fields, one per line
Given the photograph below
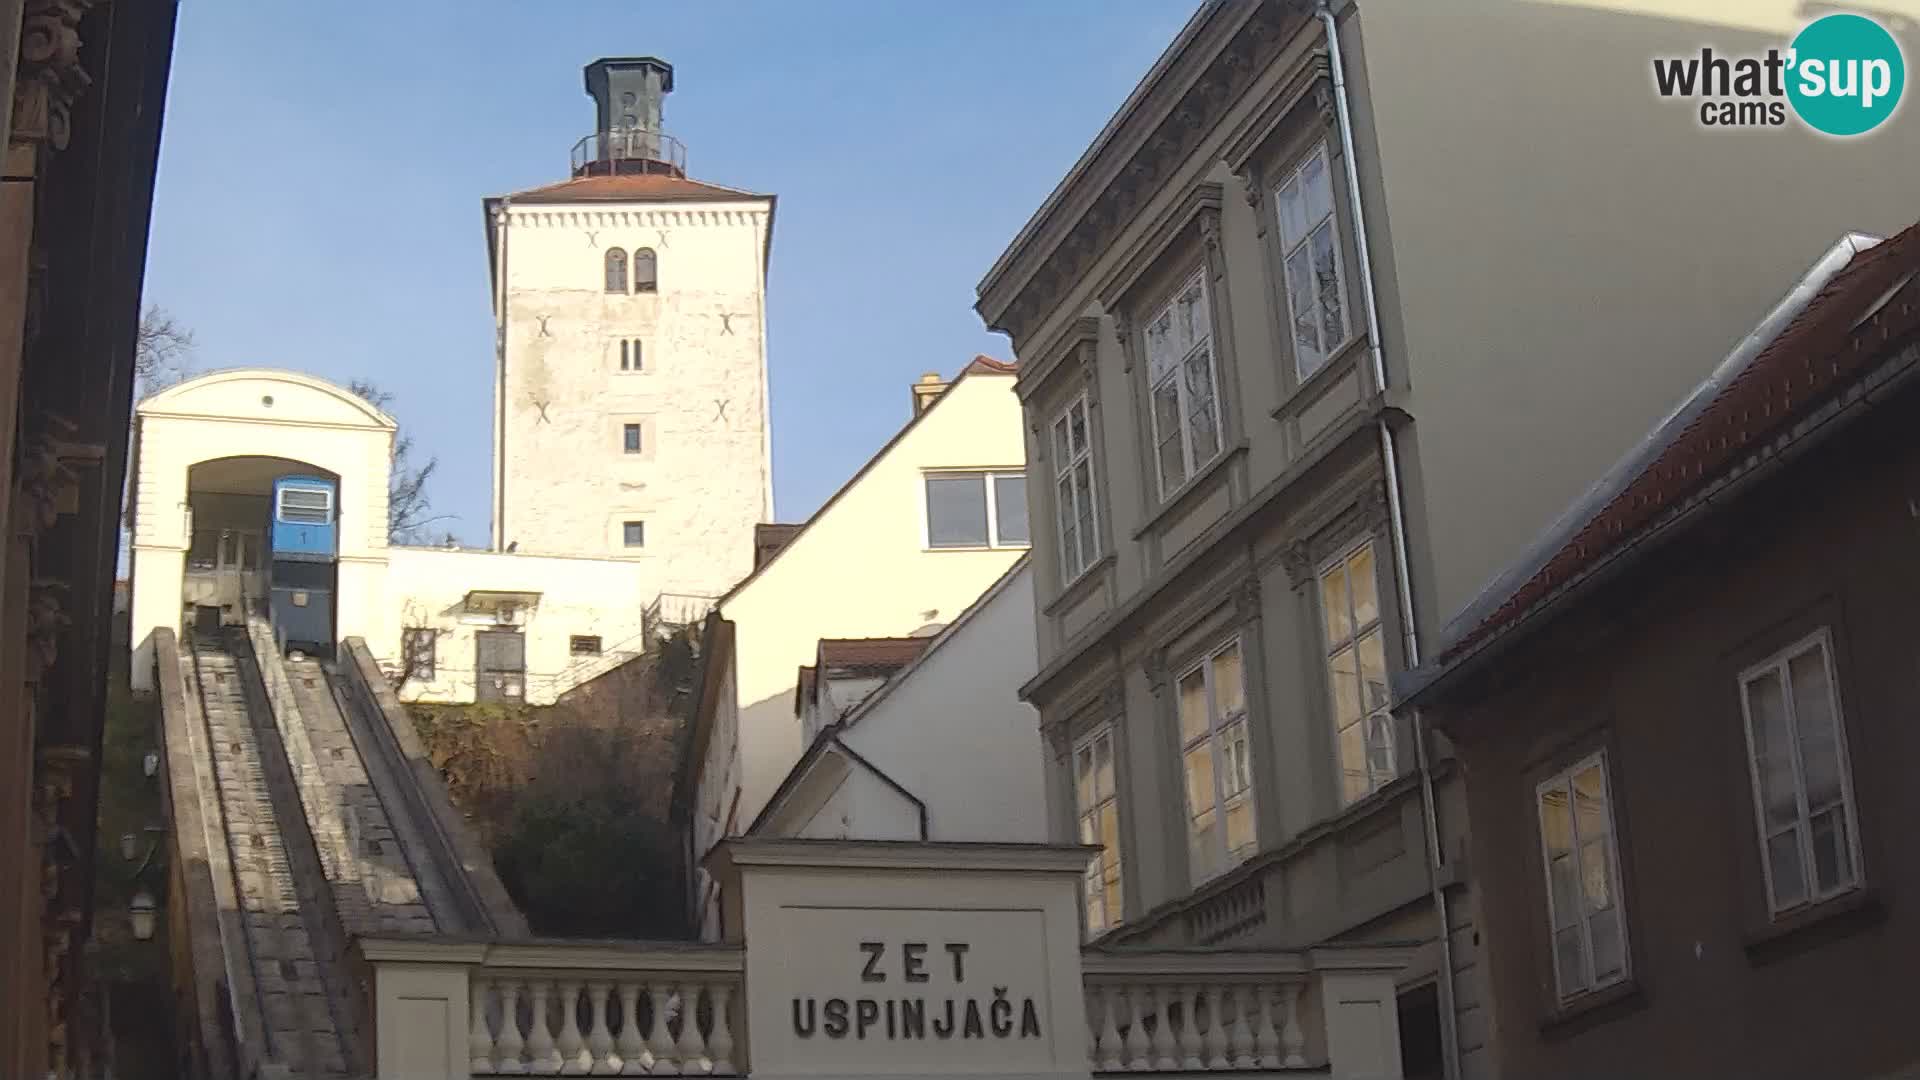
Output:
x=630 y=354
x=617 y=270
x=630 y=438
x=646 y=271
x=633 y=533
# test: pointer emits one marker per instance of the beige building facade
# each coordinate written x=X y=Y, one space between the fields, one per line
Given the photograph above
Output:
x=1340 y=309
x=901 y=550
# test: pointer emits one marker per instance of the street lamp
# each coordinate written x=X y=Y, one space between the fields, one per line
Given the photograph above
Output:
x=141 y=913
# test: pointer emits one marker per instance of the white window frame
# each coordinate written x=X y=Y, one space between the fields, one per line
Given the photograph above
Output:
x=1780 y=663
x=325 y=508
x=1087 y=824
x=1563 y=781
x=987 y=477
x=1222 y=857
x=1170 y=362
x=1073 y=490
x=1329 y=648
x=1290 y=245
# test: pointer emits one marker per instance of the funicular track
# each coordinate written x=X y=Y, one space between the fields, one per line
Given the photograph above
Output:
x=291 y=932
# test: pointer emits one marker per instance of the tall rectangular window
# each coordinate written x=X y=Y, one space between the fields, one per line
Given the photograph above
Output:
x=977 y=509
x=1183 y=385
x=633 y=534
x=1310 y=248
x=1217 y=762
x=630 y=438
x=1097 y=804
x=1583 y=878
x=1357 y=674
x=1802 y=784
x=1073 y=488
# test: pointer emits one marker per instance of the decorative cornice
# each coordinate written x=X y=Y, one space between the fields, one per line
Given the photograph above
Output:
x=1164 y=150
x=1057 y=355
x=1197 y=209
x=50 y=75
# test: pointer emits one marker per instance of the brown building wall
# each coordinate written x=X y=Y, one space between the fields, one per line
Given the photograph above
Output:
x=1648 y=669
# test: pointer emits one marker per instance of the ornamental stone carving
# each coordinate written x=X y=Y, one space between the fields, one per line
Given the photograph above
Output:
x=50 y=75
x=1297 y=561
x=1154 y=667
x=1246 y=600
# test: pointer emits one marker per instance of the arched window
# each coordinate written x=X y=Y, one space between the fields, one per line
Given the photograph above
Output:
x=646 y=272
x=617 y=270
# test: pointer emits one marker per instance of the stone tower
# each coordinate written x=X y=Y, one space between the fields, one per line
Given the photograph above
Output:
x=631 y=393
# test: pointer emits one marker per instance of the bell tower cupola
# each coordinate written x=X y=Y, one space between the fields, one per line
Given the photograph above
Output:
x=628 y=136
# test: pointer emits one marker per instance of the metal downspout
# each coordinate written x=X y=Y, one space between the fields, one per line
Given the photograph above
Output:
x=1396 y=515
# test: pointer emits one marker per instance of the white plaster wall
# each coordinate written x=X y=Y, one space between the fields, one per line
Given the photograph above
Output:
x=228 y=414
x=427 y=587
x=862 y=568
x=955 y=733
x=703 y=479
x=863 y=807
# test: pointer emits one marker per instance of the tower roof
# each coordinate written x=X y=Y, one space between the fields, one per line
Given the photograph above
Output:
x=631 y=187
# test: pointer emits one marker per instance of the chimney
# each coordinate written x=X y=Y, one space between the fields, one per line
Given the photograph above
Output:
x=930 y=386
x=627 y=94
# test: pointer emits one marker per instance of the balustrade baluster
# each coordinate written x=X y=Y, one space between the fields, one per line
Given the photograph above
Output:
x=507 y=1058
x=1139 y=1052
x=1109 y=1043
x=479 y=1038
x=720 y=1046
x=631 y=1046
x=691 y=1048
x=659 y=1043
x=1266 y=1042
x=1189 y=997
x=1240 y=1036
x=1096 y=1006
x=1164 y=1046
x=1216 y=1028
x=599 y=1036
x=571 y=1046
x=542 y=1058
x=1293 y=1044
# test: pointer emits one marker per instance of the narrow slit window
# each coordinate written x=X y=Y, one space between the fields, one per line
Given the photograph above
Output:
x=630 y=438
x=630 y=354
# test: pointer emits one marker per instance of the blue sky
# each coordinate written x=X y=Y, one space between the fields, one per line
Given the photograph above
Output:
x=323 y=164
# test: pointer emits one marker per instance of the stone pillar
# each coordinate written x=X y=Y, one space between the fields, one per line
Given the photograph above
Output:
x=421 y=1011
x=1362 y=1023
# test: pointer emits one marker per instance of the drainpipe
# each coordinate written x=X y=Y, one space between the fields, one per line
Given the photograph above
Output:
x=500 y=375
x=1397 y=526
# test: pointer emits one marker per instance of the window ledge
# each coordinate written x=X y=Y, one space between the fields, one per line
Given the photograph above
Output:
x=1081 y=585
x=1338 y=366
x=1593 y=1008
x=931 y=550
x=1185 y=492
x=1816 y=924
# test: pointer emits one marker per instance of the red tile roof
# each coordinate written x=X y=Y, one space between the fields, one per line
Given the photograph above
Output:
x=1818 y=353
x=894 y=652
x=987 y=365
x=631 y=187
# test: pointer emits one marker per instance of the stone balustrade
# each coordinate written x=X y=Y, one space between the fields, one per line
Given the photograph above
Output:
x=1213 y=1010
x=559 y=1008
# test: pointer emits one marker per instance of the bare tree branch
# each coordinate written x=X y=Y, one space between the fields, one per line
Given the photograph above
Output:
x=407 y=503
x=161 y=350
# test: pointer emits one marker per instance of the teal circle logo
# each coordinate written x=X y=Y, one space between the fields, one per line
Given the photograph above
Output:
x=1845 y=75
